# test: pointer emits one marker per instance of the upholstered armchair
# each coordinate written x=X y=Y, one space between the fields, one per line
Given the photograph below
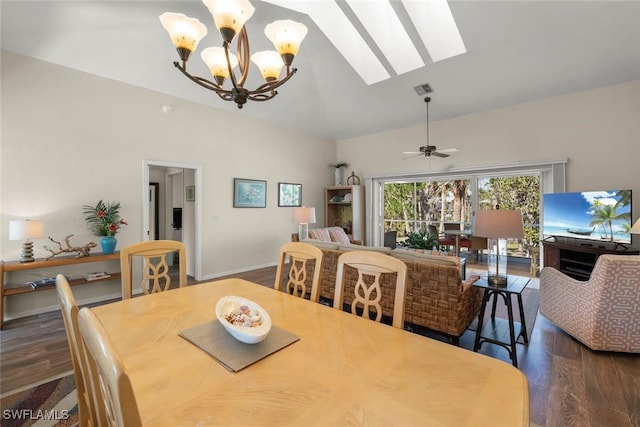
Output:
x=603 y=312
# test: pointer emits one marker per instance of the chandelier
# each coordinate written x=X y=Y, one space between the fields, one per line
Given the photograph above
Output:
x=230 y=17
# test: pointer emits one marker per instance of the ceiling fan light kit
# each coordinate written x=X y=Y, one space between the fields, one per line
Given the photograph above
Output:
x=229 y=17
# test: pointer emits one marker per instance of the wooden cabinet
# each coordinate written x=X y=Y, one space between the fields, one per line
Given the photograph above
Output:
x=578 y=260
x=345 y=208
x=8 y=289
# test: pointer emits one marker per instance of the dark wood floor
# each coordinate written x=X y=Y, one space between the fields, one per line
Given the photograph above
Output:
x=569 y=384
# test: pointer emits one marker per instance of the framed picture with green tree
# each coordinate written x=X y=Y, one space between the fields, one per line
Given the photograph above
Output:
x=289 y=194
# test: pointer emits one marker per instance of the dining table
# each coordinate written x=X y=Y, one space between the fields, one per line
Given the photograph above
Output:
x=458 y=234
x=342 y=370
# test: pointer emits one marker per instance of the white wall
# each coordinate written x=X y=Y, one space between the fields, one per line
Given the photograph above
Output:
x=69 y=139
x=598 y=131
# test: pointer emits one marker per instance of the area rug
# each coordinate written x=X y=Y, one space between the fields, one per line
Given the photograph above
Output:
x=530 y=303
x=52 y=404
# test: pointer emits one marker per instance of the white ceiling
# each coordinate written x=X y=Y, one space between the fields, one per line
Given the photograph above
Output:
x=517 y=51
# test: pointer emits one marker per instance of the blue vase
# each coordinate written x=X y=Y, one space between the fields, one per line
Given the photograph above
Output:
x=108 y=244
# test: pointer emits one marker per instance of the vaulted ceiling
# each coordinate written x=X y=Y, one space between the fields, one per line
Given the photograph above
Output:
x=516 y=51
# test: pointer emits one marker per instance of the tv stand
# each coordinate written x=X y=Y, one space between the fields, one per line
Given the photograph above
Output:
x=578 y=260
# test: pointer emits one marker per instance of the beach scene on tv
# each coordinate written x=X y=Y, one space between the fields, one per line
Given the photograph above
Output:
x=603 y=216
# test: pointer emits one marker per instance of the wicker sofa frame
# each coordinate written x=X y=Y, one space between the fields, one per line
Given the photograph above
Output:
x=436 y=298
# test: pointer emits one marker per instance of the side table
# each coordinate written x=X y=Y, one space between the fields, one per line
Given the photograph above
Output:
x=496 y=330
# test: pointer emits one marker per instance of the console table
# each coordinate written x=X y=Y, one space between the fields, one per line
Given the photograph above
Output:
x=8 y=289
x=496 y=330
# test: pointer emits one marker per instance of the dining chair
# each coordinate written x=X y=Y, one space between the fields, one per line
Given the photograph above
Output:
x=155 y=269
x=368 y=293
x=299 y=253
x=441 y=238
x=87 y=412
x=110 y=377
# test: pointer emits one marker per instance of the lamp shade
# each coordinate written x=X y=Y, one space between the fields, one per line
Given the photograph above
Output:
x=499 y=224
x=229 y=15
x=216 y=60
x=25 y=230
x=304 y=215
x=269 y=62
x=286 y=36
x=185 y=32
x=636 y=227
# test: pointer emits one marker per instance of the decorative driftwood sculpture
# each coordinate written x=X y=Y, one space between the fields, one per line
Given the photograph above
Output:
x=82 y=251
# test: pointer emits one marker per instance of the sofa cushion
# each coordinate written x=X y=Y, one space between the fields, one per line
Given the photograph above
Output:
x=320 y=234
x=425 y=257
x=338 y=235
x=346 y=247
x=321 y=244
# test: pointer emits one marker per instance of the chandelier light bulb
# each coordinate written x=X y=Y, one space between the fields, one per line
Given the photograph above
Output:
x=269 y=63
x=286 y=36
x=185 y=32
x=229 y=16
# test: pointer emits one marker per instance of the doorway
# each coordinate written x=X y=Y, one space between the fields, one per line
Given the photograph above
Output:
x=164 y=193
x=154 y=214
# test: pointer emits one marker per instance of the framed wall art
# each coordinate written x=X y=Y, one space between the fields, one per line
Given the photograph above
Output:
x=190 y=193
x=289 y=194
x=249 y=193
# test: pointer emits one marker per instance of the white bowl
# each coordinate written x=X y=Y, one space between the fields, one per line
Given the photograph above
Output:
x=245 y=334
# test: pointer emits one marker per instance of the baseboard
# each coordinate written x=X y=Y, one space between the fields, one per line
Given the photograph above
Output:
x=241 y=270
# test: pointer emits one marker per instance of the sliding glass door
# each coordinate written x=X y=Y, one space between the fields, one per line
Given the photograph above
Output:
x=411 y=206
x=409 y=203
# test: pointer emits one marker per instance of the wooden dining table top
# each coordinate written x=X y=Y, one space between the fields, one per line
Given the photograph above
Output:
x=344 y=370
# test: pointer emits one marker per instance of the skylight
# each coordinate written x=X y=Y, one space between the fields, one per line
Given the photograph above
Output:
x=432 y=20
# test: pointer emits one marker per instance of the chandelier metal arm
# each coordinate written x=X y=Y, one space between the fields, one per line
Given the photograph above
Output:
x=270 y=86
x=207 y=84
x=259 y=94
x=244 y=55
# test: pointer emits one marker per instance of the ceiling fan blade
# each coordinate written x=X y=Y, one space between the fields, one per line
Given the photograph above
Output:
x=449 y=150
x=412 y=152
x=413 y=155
x=439 y=154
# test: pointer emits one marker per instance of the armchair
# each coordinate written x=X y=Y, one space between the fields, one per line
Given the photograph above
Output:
x=602 y=312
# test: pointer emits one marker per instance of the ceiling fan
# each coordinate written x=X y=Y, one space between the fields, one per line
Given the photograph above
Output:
x=430 y=150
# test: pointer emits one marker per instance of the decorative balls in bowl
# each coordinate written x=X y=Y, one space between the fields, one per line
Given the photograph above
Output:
x=244 y=319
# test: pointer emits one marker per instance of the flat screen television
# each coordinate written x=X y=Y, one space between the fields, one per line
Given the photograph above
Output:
x=602 y=216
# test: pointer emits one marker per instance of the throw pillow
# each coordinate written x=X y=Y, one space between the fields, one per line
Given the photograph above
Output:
x=338 y=235
x=320 y=234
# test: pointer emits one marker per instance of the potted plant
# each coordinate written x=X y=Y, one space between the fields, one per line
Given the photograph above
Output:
x=104 y=221
x=338 y=171
x=421 y=240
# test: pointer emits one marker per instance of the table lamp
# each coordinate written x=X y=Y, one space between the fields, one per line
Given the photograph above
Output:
x=304 y=216
x=636 y=227
x=26 y=230
x=497 y=226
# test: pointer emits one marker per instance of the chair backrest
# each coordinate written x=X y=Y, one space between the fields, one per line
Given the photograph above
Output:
x=451 y=226
x=615 y=276
x=433 y=231
x=155 y=269
x=368 y=293
x=110 y=375
x=87 y=411
x=299 y=253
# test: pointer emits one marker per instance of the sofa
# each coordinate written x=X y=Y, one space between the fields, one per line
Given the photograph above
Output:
x=438 y=297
